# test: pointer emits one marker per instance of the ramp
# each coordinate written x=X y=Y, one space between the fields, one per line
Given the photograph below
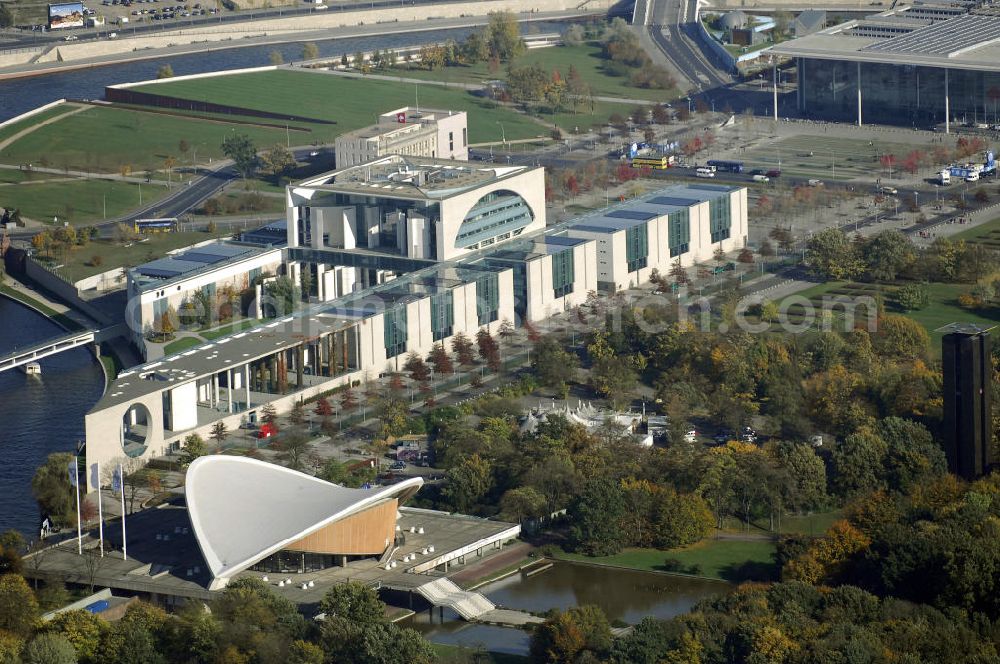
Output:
x=442 y=592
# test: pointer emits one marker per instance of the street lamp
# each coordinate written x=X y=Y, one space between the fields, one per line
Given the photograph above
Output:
x=503 y=135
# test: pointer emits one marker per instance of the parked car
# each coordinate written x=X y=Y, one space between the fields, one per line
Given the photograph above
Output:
x=773 y=173
x=887 y=190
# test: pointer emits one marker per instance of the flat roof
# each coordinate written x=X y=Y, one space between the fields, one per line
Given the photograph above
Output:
x=188 y=262
x=409 y=177
x=925 y=34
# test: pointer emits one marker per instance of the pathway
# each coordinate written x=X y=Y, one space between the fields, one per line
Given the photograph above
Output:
x=24 y=132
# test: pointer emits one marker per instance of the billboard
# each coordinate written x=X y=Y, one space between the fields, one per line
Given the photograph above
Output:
x=66 y=15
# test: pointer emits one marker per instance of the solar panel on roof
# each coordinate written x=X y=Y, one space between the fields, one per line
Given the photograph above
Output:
x=563 y=241
x=710 y=187
x=947 y=38
x=158 y=273
x=632 y=214
x=674 y=200
x=200 y=257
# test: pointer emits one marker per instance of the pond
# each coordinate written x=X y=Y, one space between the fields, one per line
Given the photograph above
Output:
x=624 y=595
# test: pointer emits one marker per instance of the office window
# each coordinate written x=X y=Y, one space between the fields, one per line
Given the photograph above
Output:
x=394 y=334
x=465 y=137
x=451 y=141
x=637 y=246
x=488 y=298
x=720 y=218
x=562 y=273
x=679 y=232
x=442 y=315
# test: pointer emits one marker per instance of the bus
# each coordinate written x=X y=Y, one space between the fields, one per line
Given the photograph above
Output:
x=703 y=172
x=164 y=225
x=660 y=163
x=723 y=165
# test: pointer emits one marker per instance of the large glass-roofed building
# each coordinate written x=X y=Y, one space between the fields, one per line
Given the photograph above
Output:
x=928 y=63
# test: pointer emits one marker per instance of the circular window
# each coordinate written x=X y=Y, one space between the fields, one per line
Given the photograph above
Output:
x=136 y=427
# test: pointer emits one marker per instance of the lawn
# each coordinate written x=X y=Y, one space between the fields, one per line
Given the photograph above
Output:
x=987 y=233
x=13 y=176
x=724 y=559
x=209 y=335
x=77 y=201
x=804 y=524
x=11 y=129
x=182 y=344
x=351 y=102
x=103 y=139
x=114 y=254
x=587 y=60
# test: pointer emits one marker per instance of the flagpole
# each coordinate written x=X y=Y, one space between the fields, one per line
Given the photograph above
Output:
x=76 y=490
x=121 y=492
x=100 y=510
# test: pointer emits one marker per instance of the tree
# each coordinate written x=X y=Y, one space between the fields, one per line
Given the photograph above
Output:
x=142 y=479
x=614 y=379
x=48 y=649
x=553 y=364
x=522 y=503
x=900 y=337
x=355 y=602
x=194 y=447
x=219 y=432
x=82 y=629
x=565 y=637
x=912 y=297
x=276 y=58
x=468 y=482
x=416 y=367
x=594 y=517
x=503 y=36
x=886 y=254
x=165 y=71
x=463 y=349
x=282 y=294
x=6 y=17
x=303 y=652
x=488 y=349
x=241 y=149
x=310 y=51
x=52 y=489
x=18 y=606
x=831 y=255
x=278 y=161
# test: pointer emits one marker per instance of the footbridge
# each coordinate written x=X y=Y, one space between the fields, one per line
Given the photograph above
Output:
x=442 y=592
x=84 y=338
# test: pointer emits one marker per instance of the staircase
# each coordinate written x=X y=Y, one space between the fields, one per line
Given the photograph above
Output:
x=442 y=592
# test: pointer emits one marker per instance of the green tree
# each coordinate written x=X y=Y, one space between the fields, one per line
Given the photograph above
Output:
x=276 y=58
x=594 y=517
x=6 y=17
x=468 y=482
x=310 y=51
x=52 y=489
x=886 y=254
x=554 y=365
x=831 y=255
x=614 y=379
x=282 y=294
x=18 y=606
x=353 y=601
x=522 y=503
x=292 y=447
x=219 y=432
x=900 y=337
x=165 y=71
x=241 y=149
x=194 y=447
x=565 y=636
x=503 y=36
x=912 y=297
x=303 y=652
x=48 y=649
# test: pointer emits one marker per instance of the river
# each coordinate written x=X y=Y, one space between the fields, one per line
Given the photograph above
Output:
x=40 y=414
x=18 y=96
x=625 y=595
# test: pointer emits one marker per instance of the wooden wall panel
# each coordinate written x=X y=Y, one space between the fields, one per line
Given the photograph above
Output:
x=367 y=533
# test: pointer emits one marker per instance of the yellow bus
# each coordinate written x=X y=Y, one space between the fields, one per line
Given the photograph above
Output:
x=660 y=163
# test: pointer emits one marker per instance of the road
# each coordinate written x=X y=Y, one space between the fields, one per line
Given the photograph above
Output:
x=672 y=25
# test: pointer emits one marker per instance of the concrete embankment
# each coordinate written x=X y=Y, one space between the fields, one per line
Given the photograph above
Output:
x=315 y=26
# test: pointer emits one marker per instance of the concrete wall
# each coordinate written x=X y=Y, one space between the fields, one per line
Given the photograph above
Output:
x=542 y=302
x=64 y=290
x=294 y=25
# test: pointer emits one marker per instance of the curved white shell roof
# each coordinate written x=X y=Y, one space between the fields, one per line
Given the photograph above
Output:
x=243 y=510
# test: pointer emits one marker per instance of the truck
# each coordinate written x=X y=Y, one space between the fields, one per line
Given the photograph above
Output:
x=944 y=177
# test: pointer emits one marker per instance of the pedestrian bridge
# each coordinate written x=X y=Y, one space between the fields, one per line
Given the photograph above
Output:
x=23 y=356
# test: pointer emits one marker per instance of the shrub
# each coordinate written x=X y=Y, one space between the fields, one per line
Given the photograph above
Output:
x=96 y=260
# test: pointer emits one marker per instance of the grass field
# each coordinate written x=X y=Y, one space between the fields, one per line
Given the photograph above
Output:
x=11 y=129
x=449 y=653
x=987 y=233
x=805 y=524
x=77 y=201
x=587 y=60
x=352 y=103
x=727 y=560
x=104 y=139
x=11 y=176
x=114 y=254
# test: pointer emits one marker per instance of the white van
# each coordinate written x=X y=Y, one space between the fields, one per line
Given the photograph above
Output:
x=972 y=177
x=704 y=173
x=760 y=177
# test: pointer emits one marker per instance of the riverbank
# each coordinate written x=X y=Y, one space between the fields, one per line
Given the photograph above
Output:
x=315 y=27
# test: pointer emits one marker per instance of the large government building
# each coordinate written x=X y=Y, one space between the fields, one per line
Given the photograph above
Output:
x=928 y=63
x=406 y=253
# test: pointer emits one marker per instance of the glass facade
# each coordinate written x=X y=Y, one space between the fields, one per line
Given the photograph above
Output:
x=562 y=273
x=898 y=94
x=442 y=314
x=488 y=298
x=394 y=333
x=679 y=232
x=720 y=218
x=496 y=216
x=637 y=246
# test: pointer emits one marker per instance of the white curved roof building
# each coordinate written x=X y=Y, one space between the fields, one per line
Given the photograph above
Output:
x=244 y=510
